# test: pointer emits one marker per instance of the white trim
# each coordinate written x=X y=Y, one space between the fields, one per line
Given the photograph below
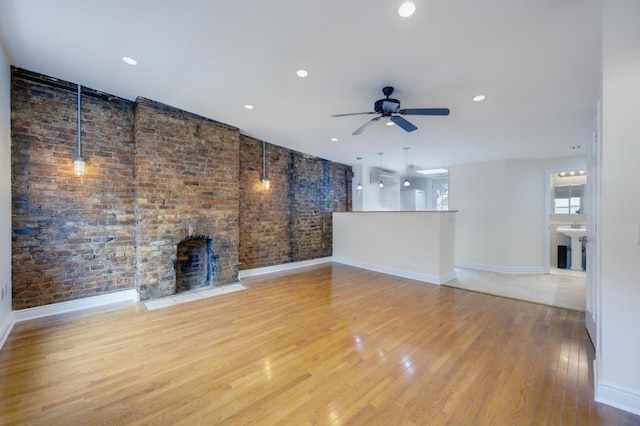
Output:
x=431 y=279
x=191 y=296
x=618 y=398
x=502 y=269
x=547 y=222
x=283 y=267
x=75 y=305
x=6 y=329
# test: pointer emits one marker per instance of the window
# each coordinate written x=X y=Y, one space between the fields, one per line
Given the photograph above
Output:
x=567 y=199
x=439 y=194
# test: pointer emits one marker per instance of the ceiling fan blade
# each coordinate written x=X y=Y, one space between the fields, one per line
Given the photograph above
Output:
x=424 y=111
x=353 y=113
x=367 y=124
x=403 y=123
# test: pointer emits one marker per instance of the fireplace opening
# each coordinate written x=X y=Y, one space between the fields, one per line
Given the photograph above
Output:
x=195 y=264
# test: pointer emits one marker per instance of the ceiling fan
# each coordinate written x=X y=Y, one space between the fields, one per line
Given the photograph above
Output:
x=389 y=107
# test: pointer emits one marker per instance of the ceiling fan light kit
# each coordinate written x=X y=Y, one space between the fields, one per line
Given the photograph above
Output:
x=390 y=108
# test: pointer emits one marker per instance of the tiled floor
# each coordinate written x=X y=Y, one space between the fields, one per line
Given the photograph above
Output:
x=564 y=291
x=192 y=295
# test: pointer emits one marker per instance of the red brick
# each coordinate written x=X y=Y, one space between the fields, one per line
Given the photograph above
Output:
x=155 y=176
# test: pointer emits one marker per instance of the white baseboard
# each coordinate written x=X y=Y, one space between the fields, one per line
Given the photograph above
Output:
x=283 y=267
x=618 y=398
x=502 y=269
x=5 y=329
x=75 y=305
x=431 y=279
x=448 y=277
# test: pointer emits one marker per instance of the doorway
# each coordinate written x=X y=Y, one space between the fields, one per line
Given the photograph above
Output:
x=566 y=223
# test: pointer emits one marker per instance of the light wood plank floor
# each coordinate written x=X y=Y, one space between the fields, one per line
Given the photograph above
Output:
x=330 y=344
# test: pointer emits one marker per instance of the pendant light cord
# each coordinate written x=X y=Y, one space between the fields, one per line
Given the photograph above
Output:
x=79 y=121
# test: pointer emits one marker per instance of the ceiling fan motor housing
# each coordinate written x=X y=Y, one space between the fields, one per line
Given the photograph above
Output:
x=386 y=106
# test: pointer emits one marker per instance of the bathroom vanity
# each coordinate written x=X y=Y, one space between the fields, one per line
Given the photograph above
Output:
x=576 y=233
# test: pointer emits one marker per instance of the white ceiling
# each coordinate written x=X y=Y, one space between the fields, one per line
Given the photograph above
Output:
x=537 y=62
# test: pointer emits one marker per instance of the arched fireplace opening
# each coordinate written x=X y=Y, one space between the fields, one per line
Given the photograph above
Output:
x=195 y=264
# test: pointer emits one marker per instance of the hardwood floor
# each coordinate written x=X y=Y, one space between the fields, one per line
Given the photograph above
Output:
x=330 y=344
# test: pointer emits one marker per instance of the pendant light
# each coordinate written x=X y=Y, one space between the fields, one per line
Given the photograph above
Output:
x=406 y=176
x=381 y=184
x=78 y=161
x=359 y=186
x=265 y=179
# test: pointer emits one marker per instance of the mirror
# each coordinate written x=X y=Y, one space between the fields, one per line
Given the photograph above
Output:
x=567 y=199
x=568 y=192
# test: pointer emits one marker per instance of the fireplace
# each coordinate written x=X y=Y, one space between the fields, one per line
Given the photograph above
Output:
x=195 y=264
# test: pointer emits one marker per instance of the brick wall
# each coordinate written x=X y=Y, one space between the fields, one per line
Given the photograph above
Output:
x=156 y=176
x=291 y=221
x=264 y=214
x=72 y=237
x=187 y=185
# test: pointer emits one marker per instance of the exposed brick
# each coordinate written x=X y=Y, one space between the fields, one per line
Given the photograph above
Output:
x=291 y=221
x=156 y=176
x=171 y=209
x=53 y=219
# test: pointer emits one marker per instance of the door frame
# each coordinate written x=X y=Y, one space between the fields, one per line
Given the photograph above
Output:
x=547 y=220
x=592 y=302
x=547 y=215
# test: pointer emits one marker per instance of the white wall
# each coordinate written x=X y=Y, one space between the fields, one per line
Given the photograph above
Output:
x=417 y=245
x=378 y=199
x=618 y=380
x=357 y=196
x=500 y=225
x=5 y=196
x=479 y=192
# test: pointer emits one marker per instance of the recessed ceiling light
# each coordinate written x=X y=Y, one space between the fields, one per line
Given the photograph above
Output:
x=479 y=98
x=407 y=9
x=334 y=139
x=389 y=123
x=130 y=61
x=432 y=171
x=302 y=73
x=576 y=147
x=247 y=106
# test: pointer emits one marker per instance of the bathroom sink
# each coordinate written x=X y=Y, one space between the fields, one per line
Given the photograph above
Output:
x=576 y=245
x=572 y=232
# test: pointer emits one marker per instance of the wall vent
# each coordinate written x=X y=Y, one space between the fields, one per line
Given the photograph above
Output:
x=388 y=177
